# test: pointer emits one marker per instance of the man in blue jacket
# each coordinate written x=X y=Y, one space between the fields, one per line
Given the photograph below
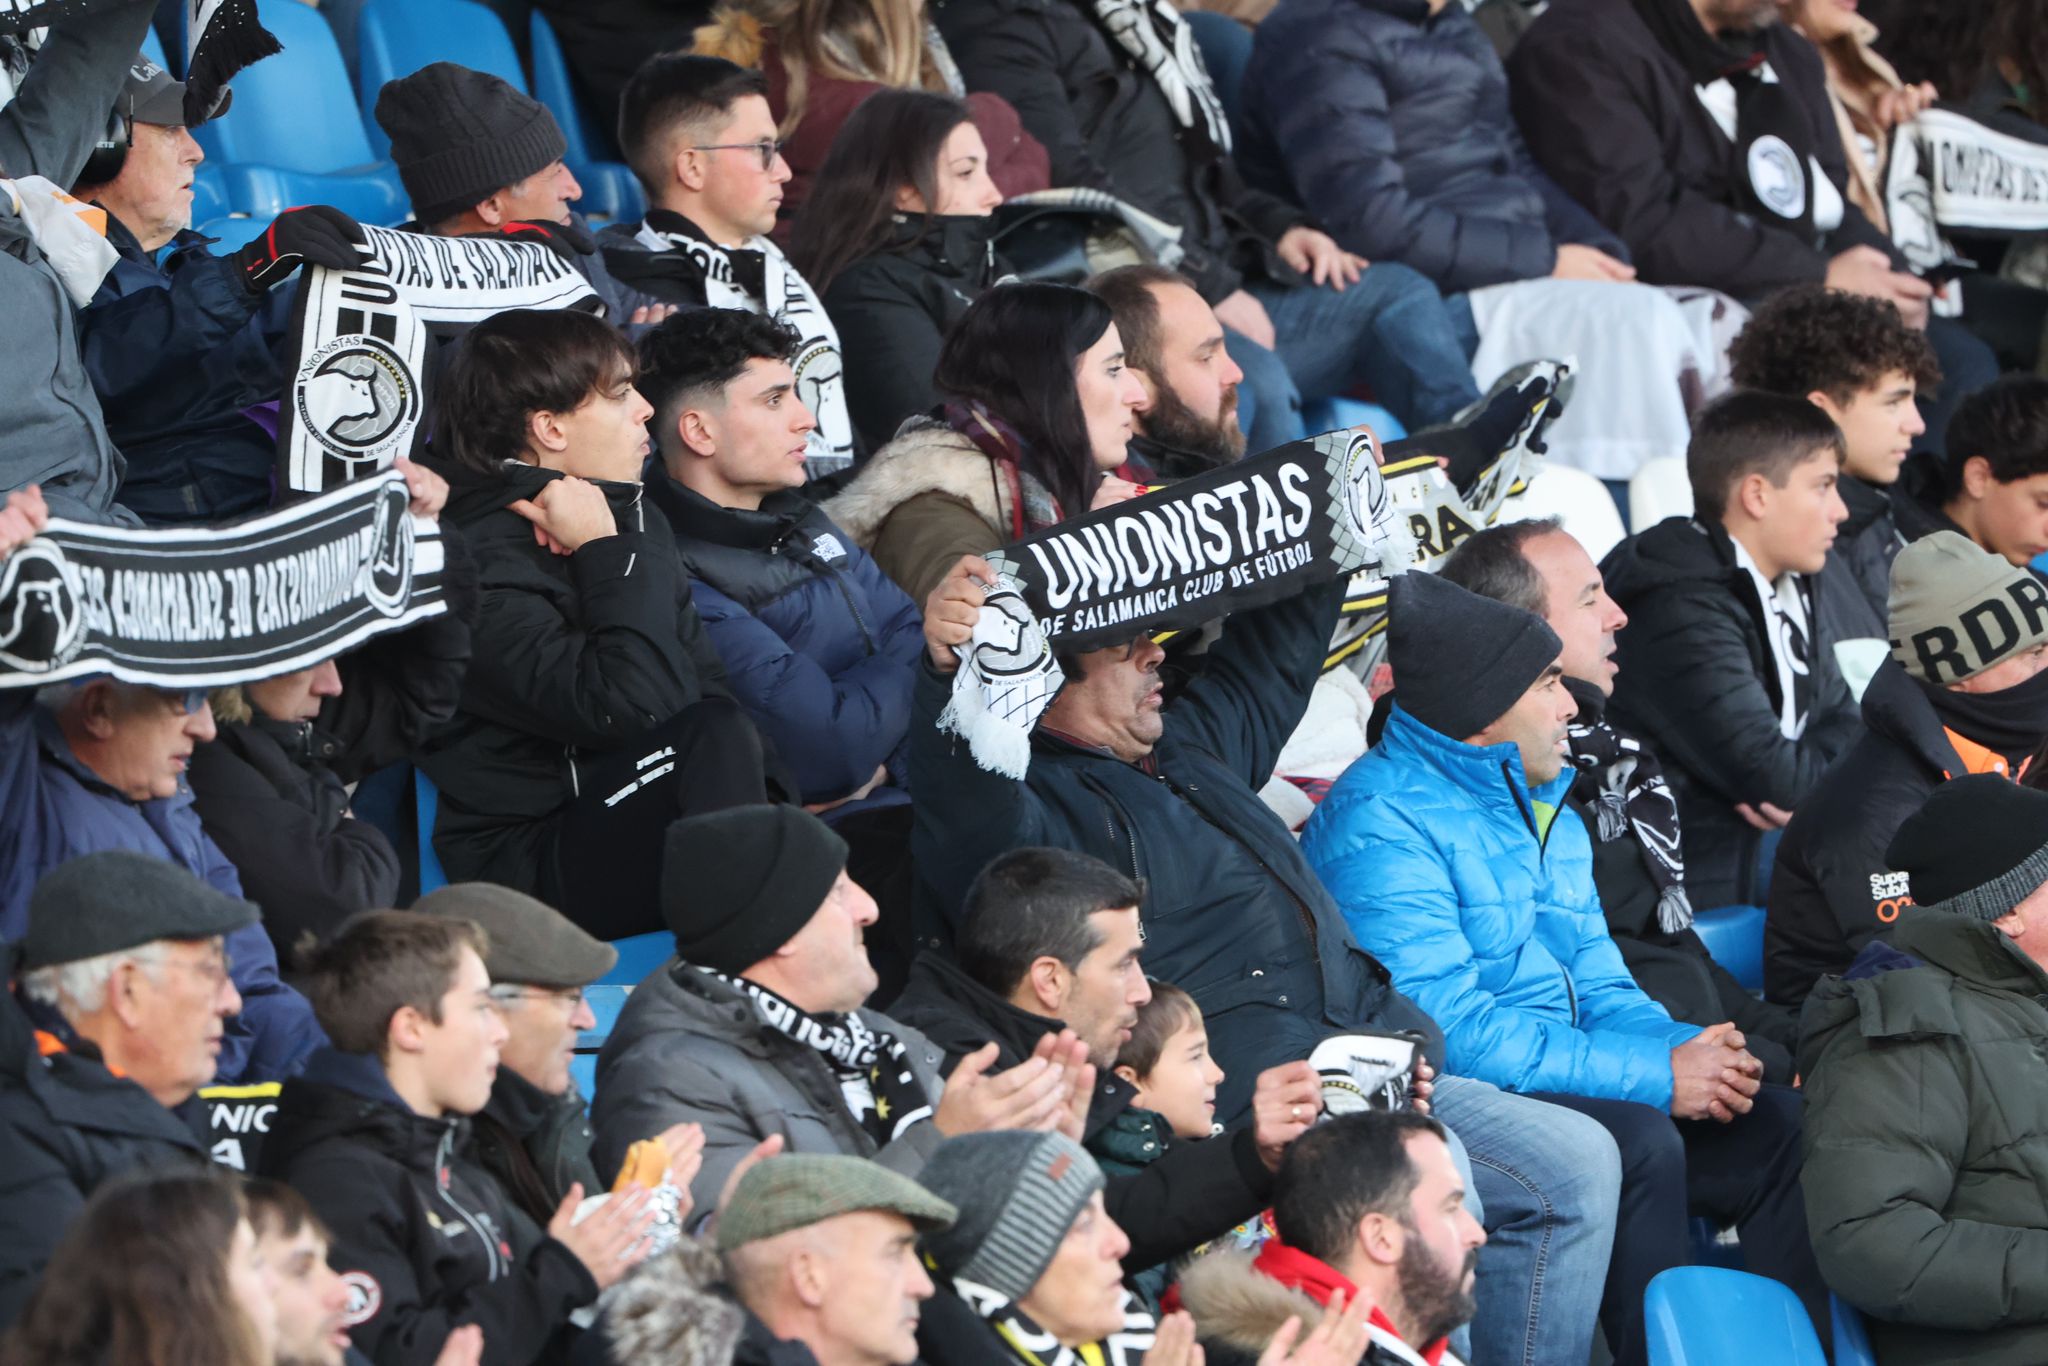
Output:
x=1456 y=861
x=819 y=645
x=1234 y=916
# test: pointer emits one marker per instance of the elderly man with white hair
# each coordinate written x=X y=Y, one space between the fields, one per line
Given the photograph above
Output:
x=128 y=950
x=99 y=764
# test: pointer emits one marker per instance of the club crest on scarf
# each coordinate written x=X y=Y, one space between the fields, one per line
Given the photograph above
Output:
x=1239 y=537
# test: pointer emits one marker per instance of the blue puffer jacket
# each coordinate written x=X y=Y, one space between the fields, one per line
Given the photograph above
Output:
x=819 y=645
x=1430 y=847
x=54 y=809
x=177 y=352
x=1391 y=126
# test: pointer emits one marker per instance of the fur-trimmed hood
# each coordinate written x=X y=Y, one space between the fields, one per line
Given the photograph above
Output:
x=926 y=456
x=1238 y=1305
x=673 y=1312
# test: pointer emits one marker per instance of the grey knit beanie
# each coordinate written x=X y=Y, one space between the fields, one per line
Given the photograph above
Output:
x=1977 y=847
x=1017 y=1195
x=1956 y=609
x=459 y=136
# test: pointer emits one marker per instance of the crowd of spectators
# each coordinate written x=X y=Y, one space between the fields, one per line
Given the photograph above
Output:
x=1060 y=1062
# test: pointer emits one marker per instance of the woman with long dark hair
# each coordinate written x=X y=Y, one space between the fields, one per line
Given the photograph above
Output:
x=1037 y=412
x=162 y=1271
x=588 y=655
x=896 y=242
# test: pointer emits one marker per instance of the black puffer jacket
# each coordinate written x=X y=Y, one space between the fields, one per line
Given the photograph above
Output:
x=1390 y=123
x=1106 y=125
x=1672 y=966
x=571 y=653
x=427 y=1241
x=1192 y=1193
x=1698 y=683
x=1614 y=118
x=1233 y=914
x=1856 y=584
x=68 y=1125
x=1831 y=890
x=274 y=795
x=893 y=309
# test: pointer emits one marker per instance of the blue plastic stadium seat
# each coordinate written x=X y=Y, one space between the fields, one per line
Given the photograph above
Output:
x=1329 y=414
x=1735 y=936
x=583 y=1071
x=427 y=800
x=639 y=954
x=153 y=48
x=1852 y=1337
x=609 y=188
x=289 y=139
x=341 y=16
x=1710 y=1316
x=209 y=194
x=168 y=28
x=397 y=37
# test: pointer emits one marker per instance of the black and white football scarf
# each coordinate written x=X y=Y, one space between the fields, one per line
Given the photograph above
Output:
x=873 y=1068
x=1157 y=40
x=1622 y=784
x=1031 y=1345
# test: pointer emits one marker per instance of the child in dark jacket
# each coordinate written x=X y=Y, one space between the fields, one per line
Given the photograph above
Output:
x=1167 y=1059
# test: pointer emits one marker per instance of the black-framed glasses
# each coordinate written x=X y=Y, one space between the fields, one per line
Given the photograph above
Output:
x=766 y=150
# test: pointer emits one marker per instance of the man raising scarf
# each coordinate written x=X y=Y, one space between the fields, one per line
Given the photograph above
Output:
x=756 y=1030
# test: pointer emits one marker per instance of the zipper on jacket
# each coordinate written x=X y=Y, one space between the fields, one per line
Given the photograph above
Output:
x=1301 y=908
x=1124 y=834
x=867 y=637
x=1571 y=992
x=441 y=1184
x=1526 y=805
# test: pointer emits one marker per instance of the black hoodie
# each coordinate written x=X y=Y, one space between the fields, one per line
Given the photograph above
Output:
x=1832 y=891
x=426 y=1241
x=1698 y=683
x=1192 y=1193
x=571 y=654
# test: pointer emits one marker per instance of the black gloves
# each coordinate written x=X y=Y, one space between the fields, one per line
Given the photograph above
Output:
x=316 y=235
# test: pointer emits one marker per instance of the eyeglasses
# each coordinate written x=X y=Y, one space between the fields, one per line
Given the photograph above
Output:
x=187 y=700
x=571 y=997
x=767 y=151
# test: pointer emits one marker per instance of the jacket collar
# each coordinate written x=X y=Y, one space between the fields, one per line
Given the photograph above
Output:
x=691 y=514
x=1969 y=949
x=956 y=245
x=1319 y=1280
x=522 y=1107
x=1896 y=706
x=945 y=983
x=1865 y=503
x=1473 y=768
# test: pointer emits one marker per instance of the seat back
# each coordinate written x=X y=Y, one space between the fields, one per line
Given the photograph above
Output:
x=397 y=37
x=427 y=801
x=1580 y=502
x=1711 y=1316
x=1852 y=1335
x=292 y=110
x=1659 y=490
x=639 y=954
x=609 y=188
x=341 y=16
x=1734 y=935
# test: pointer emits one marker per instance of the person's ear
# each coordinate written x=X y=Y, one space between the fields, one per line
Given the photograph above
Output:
x=1129 y=1074
x=1826 y=405
x=407 y=1032
x=544 y=432
x=1381 y=1239
x=1047 y=979
x=125 y=992
x=2012 y=924
x=688 y=168
x=99 y=709
x=492 y=210
x=1977 y=479
x=807 y=1277
x=908 y=200
x=698 y=437
x=1753 y=495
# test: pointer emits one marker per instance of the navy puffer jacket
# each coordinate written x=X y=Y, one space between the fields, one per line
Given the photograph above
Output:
x=1391 y=126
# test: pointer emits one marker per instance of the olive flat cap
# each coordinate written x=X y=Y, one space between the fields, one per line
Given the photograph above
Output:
x=531 y=943
x=118 y=899
x=797 y=1190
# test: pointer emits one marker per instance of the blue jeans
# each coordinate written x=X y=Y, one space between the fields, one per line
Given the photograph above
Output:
x=1549 y=1183
x=1391 y=332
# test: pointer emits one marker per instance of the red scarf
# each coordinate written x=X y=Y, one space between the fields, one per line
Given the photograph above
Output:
x=1319 y=1280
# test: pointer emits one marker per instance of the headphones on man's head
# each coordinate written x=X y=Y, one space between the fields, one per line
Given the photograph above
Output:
x=110 y=153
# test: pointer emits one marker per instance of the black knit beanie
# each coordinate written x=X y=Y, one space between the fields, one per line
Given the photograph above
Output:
x=1461 y=661
x=736 y=885
x=459 y=136
x=1978 y=847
